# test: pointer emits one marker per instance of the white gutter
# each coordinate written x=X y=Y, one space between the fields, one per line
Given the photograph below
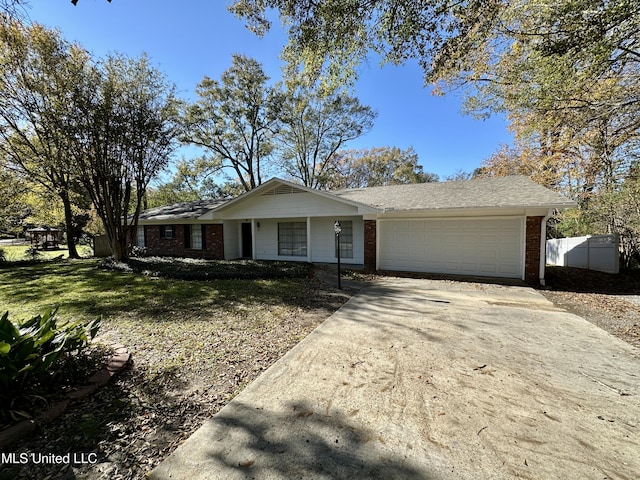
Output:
x=543 y=247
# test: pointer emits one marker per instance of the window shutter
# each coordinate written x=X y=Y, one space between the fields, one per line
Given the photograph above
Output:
x=187 y=236
x=145 y=236
x=204 y=237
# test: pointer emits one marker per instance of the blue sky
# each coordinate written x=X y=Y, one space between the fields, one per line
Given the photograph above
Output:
x=188 y=40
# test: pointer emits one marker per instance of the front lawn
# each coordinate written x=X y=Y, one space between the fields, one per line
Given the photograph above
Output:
x=195 y=344
x=21 y=252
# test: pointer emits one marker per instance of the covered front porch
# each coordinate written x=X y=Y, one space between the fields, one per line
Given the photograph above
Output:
x=302 y=239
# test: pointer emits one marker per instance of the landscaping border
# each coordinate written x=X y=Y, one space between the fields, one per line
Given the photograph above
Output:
x=116 y=363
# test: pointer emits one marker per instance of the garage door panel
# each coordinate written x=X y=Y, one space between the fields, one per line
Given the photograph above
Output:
x=489 y=247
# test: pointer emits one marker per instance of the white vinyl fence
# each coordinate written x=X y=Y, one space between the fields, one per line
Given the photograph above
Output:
x=600 y=252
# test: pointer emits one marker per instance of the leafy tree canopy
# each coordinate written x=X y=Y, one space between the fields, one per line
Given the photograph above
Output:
x=234 y=120
x=376 y=167
x=313 y=125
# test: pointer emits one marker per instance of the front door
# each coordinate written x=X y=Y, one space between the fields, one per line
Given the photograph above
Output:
x=247 y=241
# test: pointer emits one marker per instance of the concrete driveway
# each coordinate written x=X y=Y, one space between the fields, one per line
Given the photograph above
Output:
x=426 y=379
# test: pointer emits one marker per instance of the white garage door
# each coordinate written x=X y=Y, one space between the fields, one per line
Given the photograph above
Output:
x=485 y=247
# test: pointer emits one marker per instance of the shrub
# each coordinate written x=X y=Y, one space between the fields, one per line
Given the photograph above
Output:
x=33 y=347
x=3 y=256
x=139 y=252
x=32 y=254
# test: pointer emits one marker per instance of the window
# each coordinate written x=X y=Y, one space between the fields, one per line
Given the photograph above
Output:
x=194 y=237
x=346 y=240
x=292 y=239
x=140 y=237
x=167 y=231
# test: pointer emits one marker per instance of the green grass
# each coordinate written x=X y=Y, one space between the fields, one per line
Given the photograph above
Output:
x=162 y=321
x=16 y=253
x=194 y=344
x=81 y=288
x=181 y=334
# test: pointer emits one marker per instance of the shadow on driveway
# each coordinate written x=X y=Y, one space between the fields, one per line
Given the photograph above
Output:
x=299 y=442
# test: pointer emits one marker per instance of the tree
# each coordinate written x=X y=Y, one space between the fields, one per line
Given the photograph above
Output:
x=191 y=180
x=37 y=73
x=13 y=8
x=75 y=2
x=314 y=126
x=548 y=65
x=566 y=74
x=12 y=210
x=376 y=167
x=451 y=40
x=460 y=175
x=331 y=37
x=126 y=127
x=234 y=119
x=522 y=160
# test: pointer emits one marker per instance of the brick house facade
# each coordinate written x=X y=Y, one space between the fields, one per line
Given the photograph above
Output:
x=172 y=241
x=484 y=227
x=532 y=250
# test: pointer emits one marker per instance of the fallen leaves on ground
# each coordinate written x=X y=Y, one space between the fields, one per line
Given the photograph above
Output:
x=599 y=298
x=184 y=370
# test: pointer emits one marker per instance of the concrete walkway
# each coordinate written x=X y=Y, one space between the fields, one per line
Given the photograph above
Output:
x=425 y=379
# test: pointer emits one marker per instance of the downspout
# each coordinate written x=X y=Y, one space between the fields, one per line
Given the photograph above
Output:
x=543 y=247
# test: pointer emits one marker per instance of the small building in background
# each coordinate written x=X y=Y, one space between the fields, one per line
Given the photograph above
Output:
x=44 y=238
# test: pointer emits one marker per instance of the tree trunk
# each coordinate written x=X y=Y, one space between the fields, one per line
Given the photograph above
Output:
x=119 y=250
x=68 y=220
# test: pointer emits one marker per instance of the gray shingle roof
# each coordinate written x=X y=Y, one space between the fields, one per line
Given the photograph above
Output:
x=514 y=191
x=181 y=211
x=503 y=192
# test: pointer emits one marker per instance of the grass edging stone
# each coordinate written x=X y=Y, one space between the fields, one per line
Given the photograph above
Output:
x=116 y=363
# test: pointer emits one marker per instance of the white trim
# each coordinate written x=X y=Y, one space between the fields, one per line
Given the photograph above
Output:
x=543 y=248
x=378 y=244
x=524 y=249
x=362 y=207
x=253 y=238
x=309 y=243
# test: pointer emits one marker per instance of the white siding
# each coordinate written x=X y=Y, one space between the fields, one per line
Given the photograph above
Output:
x=485 y=247
x=322 y=245
x=231 y=231
x=323 y=236
x=292 y=205
x=266 y=240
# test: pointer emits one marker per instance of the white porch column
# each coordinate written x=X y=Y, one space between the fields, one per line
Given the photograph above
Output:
x=378 y=222
x=309 y=243
x=253 y=238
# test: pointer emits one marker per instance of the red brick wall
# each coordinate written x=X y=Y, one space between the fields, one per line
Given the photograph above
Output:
x=370 y=245
x=532 y=251
x=213 y=242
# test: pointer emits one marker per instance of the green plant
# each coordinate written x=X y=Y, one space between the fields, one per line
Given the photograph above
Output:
x=32 y=253
x=3 y=256
x=33 y=347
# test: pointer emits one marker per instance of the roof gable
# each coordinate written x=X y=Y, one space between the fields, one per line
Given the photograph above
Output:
x=277 y=186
